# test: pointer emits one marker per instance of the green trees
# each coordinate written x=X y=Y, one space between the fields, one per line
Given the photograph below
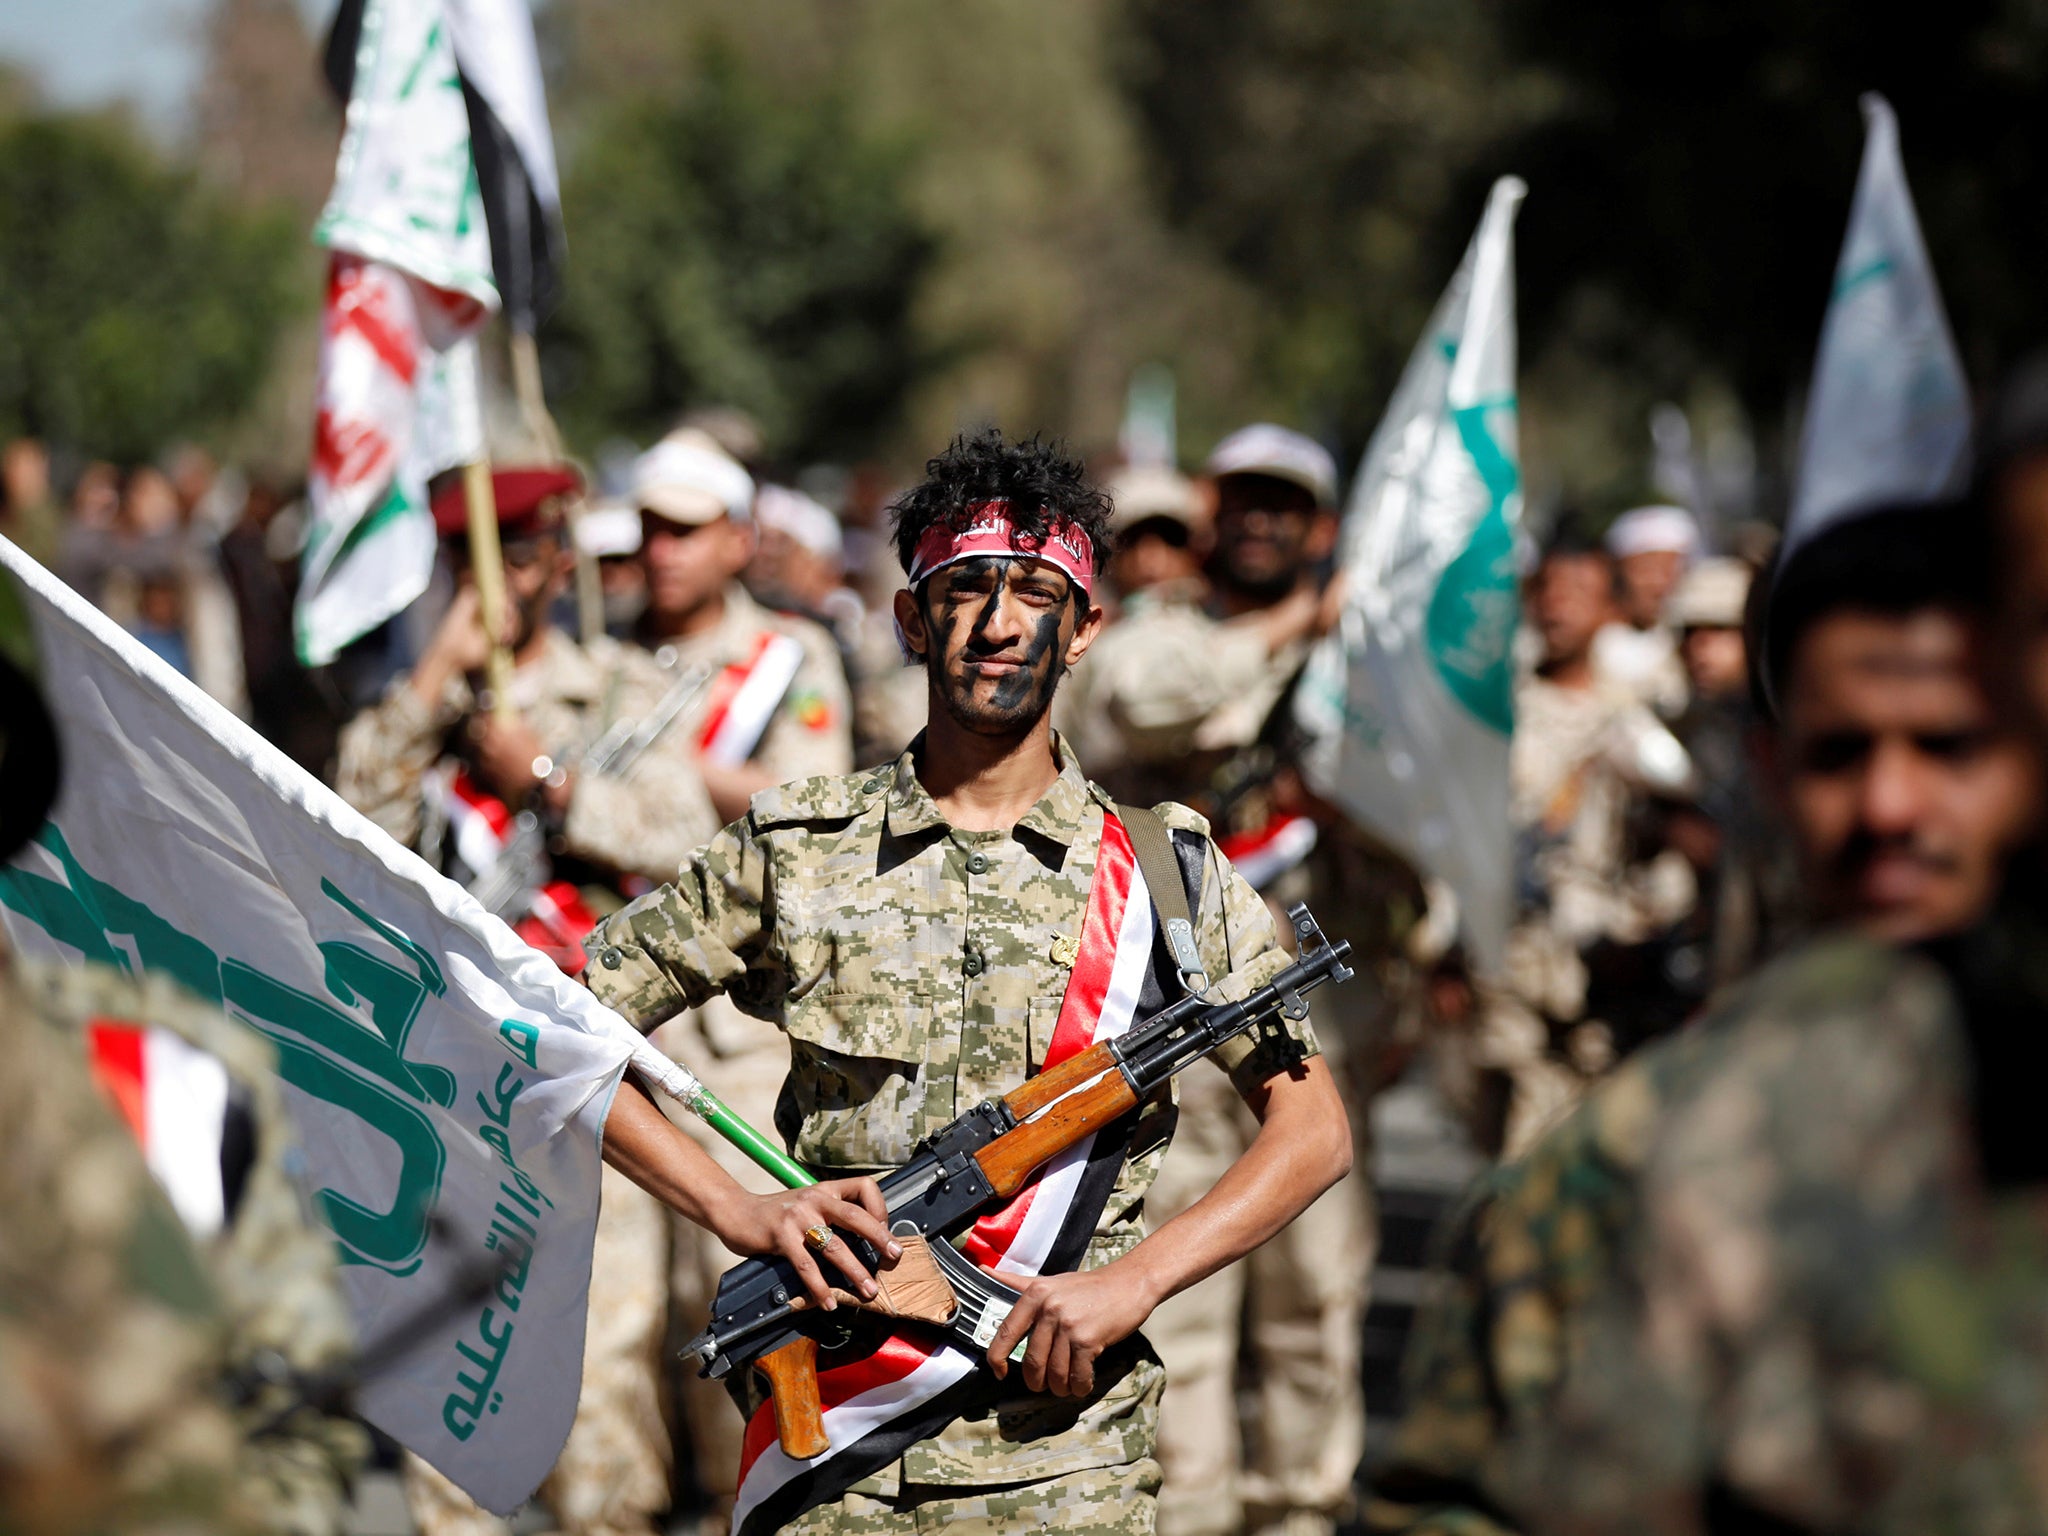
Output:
x=726 y=250
x=135 y=307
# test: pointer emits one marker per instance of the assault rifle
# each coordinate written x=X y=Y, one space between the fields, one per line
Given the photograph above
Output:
x=759 y=1315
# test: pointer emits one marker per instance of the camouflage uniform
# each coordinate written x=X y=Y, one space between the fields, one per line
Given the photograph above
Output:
x=740 y=1059
x=1828 y=1311
x=1570 y=802
x=613 y=1476
x=917 y=969
x=113 y=1336
x=1299 y=1300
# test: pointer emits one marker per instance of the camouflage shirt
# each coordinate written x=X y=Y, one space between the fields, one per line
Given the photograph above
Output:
x=291 y=1338
x=1831 y=1309
x=642 y=821
x=918 y=969
x=112 y=1339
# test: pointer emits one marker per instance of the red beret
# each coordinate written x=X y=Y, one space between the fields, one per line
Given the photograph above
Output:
x=525 y=500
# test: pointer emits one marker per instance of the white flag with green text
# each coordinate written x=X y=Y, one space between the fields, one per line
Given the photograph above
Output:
x=1408 y=703
x=448 y=1084
x=1888 y=416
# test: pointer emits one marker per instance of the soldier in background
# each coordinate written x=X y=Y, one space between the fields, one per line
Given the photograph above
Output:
x=1583 y=755
x=770 y=705
x=1637 y=651
x=1901 y=794
x=1192 y=685
x=443 y=772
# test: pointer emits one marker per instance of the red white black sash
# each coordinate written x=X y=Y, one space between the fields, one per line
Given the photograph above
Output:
x=479 y=824
x=1264 y=855
x=744 y=698
x=175 y=1098
x=914 y=1384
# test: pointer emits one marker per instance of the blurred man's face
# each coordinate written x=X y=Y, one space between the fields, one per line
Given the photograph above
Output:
x=1268 y=532
x=1572 y=596
x=1647 y=579
x=148 y=503
x=25 y=473
x=997 y=633
x=1152 y=553
x=537 y=571
x=1716 y=661
x=688 y=566
x=1903 y=792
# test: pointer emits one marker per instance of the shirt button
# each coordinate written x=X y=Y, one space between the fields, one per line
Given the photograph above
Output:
x=972 y=964
x=871 y=786
x=611 y=959
x=977 y=864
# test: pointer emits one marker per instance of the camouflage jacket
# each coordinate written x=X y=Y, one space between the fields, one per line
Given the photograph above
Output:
x=917 y=969
x=290 y=1339
x=1831 y=1308
x=1532 y=1241
x=112 y=1338
x=641 y=822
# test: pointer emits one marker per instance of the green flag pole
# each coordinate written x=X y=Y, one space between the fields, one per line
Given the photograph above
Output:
x=688 y=1090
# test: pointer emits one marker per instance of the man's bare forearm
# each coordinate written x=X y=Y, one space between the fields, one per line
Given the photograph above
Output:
x=1302 y=1148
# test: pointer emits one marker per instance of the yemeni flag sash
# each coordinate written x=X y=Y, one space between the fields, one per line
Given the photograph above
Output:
x=556 y=918
x=915 y=1383
x=744 y=698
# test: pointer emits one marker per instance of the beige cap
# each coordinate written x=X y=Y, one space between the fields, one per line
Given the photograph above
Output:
x=687 y=478
x=1141 y=491
x=1264 y=449
x=1712 y=596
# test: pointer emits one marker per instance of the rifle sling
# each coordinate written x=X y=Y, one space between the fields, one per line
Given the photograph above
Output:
x=1152 y=844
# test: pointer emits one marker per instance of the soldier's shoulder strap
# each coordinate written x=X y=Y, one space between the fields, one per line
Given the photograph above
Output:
x=1152 y=844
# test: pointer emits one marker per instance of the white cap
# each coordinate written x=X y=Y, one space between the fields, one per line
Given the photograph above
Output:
x=611 y=528
x=1265 y=449
x=687 y=478
x=1141 y=491
x=804 y=520
x=1712 y=596
x=1653 y=530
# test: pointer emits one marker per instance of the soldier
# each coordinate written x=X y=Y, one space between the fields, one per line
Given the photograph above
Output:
x=770 y=706
x=442 y=771
x=1584 y=755
x=913 y=932
x=1637 y=650
x=151 y=1377
x=1190 y=681
x=1902 y=795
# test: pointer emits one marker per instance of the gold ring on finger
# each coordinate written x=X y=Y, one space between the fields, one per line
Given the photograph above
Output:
x=818 y=1238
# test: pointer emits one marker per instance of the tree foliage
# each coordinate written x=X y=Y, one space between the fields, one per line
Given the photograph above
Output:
x=726 y=250
x=135 y=307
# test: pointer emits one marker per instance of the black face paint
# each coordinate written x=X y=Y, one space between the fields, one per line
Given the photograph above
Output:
x=1019 y=697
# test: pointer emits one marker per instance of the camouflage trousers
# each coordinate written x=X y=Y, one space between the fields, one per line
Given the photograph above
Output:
x=612 y=1478
x=744 y=1062
x=1101 y=1501
x=1298 y=1302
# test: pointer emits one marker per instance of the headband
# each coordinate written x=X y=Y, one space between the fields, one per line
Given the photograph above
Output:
x=989 y=531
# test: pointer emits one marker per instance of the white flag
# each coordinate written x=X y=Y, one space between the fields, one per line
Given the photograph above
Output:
x=1888 y=417
x=1408 y=703
x=409 y=282
x=448 y=1084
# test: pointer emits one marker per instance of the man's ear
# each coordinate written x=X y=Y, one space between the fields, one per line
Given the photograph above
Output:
x=1322 y=534
x=910 y=619
x=1084 y=635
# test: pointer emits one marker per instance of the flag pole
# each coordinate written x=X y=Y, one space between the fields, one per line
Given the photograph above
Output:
x=487 y=565
x=688 y=1090
x=533 y=406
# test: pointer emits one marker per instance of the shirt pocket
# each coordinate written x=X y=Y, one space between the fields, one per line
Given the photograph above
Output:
x=855 y=1093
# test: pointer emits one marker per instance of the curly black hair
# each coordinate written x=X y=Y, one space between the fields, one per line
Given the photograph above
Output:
x=1041 y=481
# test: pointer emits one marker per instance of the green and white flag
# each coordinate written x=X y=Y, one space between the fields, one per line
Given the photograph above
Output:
x=1888 y=416
x=448 y=1084
x=1408 y=703
x=409 y=282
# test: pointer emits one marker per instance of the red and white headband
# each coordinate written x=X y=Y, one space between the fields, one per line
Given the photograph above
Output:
x=989 y=531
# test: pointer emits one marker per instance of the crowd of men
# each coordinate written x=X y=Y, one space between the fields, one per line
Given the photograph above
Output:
x=1759 y=1243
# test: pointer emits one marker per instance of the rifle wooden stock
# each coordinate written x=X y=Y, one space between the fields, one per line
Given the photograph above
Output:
x=792 y=1374
x=1054 y=1110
